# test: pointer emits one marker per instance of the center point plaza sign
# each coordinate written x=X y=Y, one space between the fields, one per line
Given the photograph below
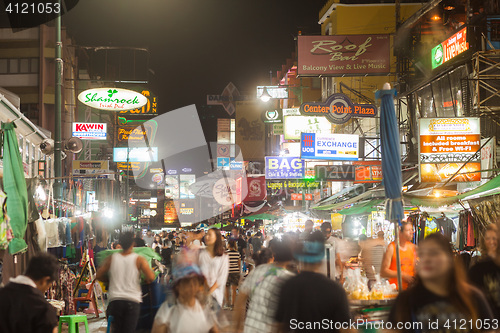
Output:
x=343 y=55
x=338 y=109
x=112 y=99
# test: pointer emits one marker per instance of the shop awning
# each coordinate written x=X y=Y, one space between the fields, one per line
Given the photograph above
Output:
x=362 y=208
x=490 y=188
x=260 y=217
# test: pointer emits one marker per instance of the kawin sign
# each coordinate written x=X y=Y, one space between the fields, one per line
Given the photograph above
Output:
x=338 y=109
x=112 y=99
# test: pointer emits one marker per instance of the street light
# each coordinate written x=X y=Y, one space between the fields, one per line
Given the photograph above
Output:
x=265 y=97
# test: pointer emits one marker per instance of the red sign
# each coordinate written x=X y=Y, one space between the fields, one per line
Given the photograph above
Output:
x=344 y=54
x=450 y=48
x=256 y=187
x=298 y=196
x=368 y=172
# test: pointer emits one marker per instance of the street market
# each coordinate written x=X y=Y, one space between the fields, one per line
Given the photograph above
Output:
x=253 y=166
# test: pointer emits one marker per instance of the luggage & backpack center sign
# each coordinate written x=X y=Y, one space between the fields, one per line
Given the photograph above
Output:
x=338 y=109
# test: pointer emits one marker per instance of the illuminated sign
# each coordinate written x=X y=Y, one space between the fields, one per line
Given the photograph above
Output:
x=90 y=131
x=273 y=91
x=112 y=99
x=171 y=187
x=357 y=172
x=450 y=48
x=149 y=108
x=343 y=54
x=136 y=133
x=185 y=182
x=278 y=167
x=136 y=154
x=295 y=125
x=447 y=143
x=272 y=116
x=90 y=167
x=335 y=147
x=298 y=196
x=338 y=109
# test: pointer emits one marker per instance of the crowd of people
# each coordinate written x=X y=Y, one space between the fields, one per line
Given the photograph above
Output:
x=287 y=282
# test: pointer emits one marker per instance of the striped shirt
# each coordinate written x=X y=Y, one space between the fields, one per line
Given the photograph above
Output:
x=234 y=257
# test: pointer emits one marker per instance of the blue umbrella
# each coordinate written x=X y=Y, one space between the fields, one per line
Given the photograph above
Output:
x=391 y=163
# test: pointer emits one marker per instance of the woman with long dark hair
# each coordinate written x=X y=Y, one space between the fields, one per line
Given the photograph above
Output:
x=441 y=300
x=214 y=264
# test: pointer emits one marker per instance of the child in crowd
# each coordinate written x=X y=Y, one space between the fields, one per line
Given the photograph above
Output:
x=188 y=311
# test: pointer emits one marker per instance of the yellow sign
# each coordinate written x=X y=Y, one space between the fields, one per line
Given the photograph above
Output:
x=149 y=108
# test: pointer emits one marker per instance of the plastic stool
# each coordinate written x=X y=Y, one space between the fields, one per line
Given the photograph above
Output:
x=73 y=322
x=110 y=320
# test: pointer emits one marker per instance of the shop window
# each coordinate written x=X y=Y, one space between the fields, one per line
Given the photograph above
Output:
x=426 y=102
x=456 y=88
x=13 y=66
x=24 y=65
x=495 y=30
x=34 y=65
x=4 y=66
x=442 y=98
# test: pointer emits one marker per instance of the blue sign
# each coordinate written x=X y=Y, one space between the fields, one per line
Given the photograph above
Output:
x=137 y=154
x=235 y=165
x=333 y=147
x=222 y=162
x=278 y=167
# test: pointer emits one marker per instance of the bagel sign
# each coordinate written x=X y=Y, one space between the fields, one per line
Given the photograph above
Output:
x=338 y=109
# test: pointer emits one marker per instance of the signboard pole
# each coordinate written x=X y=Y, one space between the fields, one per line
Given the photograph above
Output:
x=57 y=117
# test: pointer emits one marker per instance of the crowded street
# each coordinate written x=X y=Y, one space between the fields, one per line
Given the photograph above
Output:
x=250 y=166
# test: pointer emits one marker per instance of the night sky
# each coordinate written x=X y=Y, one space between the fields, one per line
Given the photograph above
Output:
x=198 y=46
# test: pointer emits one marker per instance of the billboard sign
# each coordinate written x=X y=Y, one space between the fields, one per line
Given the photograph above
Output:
x=90 y=167
x=295 y=125
x=90 y=131
x=338 y=109
x=112 y=99
x=136 y=133
x=450 y=48
x=447 y=143
x=368 y=172
x=445 y=140
x=172 y=187
x=343 y=55
x=335 y=173
x=150 y=108
x=272 y=116
x=334 y=147
x=135 y=154
x=278 y=167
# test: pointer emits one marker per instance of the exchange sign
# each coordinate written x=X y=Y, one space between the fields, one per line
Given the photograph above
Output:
x=335 y=147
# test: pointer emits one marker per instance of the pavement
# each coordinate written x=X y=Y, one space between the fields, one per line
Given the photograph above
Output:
x=99 y=325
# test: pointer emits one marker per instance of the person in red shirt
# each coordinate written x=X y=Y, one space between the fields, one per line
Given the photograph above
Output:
x=407 y=255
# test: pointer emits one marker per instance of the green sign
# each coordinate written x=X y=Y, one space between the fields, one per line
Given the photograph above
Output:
x=437 y=56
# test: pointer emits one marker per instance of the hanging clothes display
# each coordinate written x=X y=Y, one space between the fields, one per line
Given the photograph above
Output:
x=63 y=289
x=446 y=226
x=5 y=229
x=467 y=230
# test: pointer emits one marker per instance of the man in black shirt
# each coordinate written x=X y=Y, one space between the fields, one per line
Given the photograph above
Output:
x=310 y=302
x=23 y=308
x=242 y=245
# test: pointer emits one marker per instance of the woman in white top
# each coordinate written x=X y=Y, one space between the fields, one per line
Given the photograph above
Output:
x=214 y=264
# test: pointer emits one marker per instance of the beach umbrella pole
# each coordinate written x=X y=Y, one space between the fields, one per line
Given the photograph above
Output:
x=398 y=257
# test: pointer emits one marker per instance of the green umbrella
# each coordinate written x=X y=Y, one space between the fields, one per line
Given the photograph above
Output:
x=14 y=185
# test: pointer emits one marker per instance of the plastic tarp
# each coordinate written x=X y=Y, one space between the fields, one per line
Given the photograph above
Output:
x=146 y=252
x=490 y=188
x=362 y=208
x=260 y=217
